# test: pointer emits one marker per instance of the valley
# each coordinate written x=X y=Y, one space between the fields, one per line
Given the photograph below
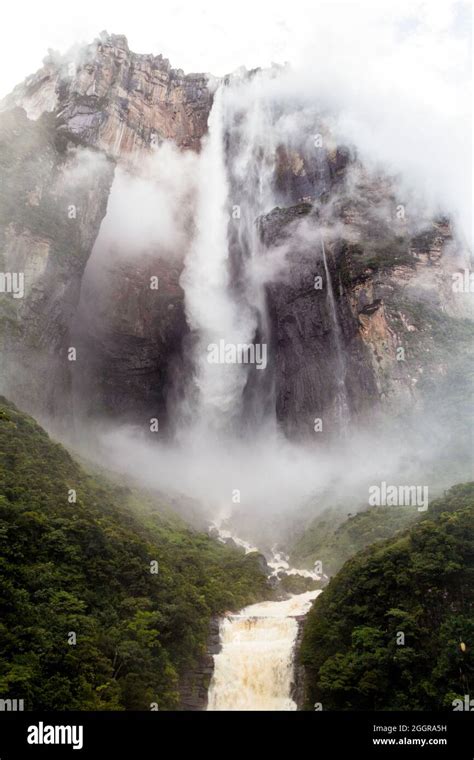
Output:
x=245 y=344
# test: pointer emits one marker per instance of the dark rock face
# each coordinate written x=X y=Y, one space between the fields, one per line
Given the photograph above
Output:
x=298 y=689
x=194 y=686
x=350 y=345
x=302 y=176
x=305 y=339
x=264 y=566
x=131 y=338
x=52 y=205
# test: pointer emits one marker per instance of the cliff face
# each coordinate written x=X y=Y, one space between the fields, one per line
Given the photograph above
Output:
x=131 y=340
x=194 y=685
x=117 y=101
x=62 y=133
x=51 y=208
x=373 y=333
x=383 y=316
x=299 y=686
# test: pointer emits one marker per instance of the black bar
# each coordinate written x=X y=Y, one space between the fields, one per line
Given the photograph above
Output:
x=317 y=735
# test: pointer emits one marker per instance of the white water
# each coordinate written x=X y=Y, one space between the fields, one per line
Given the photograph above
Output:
x=342 y=406
x=255 y=667
x=224 y=292
x=254 y=670
x=279 y=561
x=214 y=311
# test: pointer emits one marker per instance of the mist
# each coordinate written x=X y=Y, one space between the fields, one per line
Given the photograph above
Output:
x=404 y=121
x=150 y=207
x=176 y=206
x=267 y=487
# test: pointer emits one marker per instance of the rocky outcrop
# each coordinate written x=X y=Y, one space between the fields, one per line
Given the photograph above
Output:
x=368 y=335
x=61 y=134
x=194 y=685
x=117 y=101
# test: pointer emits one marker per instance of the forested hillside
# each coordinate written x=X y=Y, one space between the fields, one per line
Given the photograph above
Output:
x=332 y=540
x=419 y=584
x=85 y=622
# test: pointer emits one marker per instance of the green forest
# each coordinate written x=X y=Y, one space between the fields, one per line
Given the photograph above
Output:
x=86 y=622
x=332 y=540
x=394 y=629
x=106 y=595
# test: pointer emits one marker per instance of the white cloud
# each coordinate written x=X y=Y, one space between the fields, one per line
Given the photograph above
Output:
x=220 y=35
x=399 y=72
x=150 y=209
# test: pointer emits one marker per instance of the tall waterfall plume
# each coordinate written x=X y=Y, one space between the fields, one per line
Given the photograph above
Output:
x=225 y=303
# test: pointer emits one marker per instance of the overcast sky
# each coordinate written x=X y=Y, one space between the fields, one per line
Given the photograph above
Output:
x=399 y=71
x=220 y=35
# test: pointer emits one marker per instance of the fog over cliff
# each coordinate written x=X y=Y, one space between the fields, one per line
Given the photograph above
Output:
x=306 y=218
x=227 y=448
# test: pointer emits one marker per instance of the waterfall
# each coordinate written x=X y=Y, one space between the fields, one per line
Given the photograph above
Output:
x=255 y=668
x=224 y=300
x=211 y=308
x=342 y=406
x=251 y=157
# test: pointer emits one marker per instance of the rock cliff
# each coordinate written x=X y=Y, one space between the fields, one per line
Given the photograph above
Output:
x=194 y=685
x=376 y=332
x=394 y=323
x=52 y=204
x=62 y=133
x=112 y=99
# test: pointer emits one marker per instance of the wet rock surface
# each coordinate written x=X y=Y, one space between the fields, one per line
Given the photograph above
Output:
x=62 y=133
x=377 y=284
x=194 y=685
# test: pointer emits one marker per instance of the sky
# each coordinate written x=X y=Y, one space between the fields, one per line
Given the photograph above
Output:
x=220 y=35
x=400 y=71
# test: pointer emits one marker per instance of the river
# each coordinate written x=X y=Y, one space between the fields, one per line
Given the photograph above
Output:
x=254 y=669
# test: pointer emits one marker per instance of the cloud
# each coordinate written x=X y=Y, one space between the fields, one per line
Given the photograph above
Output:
x=150 y=208
x=398 y=74
x=391 y=79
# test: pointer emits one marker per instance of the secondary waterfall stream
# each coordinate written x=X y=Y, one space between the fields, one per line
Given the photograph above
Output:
x=254 y=670
x=342 y=406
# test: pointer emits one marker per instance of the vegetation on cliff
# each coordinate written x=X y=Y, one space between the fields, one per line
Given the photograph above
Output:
x=332 y=540
x=394 y=629
x=85 y=622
